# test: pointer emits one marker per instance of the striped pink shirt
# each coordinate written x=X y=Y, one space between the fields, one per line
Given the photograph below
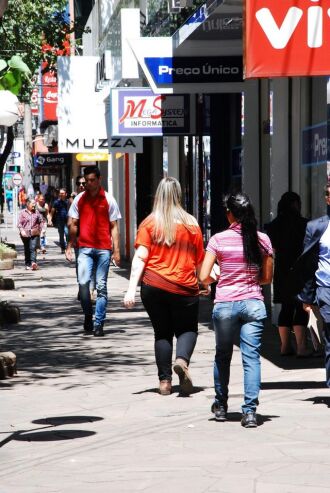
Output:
x=237 y=281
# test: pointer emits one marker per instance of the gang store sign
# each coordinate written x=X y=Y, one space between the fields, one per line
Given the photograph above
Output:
x=287 y=38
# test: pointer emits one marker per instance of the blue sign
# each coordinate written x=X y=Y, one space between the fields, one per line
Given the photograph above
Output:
x=315 y=148
x=15 y=154
x=188 y=70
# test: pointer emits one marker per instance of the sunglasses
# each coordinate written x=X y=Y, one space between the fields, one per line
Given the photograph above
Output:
x=327 y=194
x=81 y=183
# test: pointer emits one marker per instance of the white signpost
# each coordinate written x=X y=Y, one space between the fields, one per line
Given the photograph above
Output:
x=17 y=179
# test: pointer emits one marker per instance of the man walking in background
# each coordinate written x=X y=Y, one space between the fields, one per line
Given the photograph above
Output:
x=312 y=270
x=60 y=211
x=96 y=215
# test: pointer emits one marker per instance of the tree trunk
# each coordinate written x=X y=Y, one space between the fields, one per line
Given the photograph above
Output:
x=4 y=157
x=28 y=168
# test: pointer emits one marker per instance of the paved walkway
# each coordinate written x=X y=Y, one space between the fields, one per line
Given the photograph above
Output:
x=83 y=415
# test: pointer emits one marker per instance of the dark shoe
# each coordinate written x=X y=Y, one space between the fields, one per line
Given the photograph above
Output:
x=165 y=387
x=249 y=420
x=98 y=331
x=288 y=353
x=181 y=369
x=219 y=411
x=62 y=250
x=88 y=324
x=308 y=354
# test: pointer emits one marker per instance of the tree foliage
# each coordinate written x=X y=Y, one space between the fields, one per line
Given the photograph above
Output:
x=31 y=31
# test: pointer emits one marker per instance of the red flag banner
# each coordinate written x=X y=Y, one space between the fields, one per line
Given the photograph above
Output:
x=287 y=38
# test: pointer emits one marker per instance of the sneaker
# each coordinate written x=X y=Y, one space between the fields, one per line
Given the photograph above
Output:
x=28 y=267
x=88 y=324
x=181 y=369
x=34 y=266
x=219 y=411
x=249 y=420
x=165 y=387
x=98 y=331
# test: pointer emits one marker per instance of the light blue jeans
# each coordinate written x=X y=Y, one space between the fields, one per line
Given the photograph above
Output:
x=89 y=259
x=247 y=317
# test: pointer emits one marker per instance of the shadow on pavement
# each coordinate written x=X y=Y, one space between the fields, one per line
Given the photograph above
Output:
x=319 y=400
x=65 y=420
x=236 y=417
x=42 y=435
x=51 y=436
x=292 y=385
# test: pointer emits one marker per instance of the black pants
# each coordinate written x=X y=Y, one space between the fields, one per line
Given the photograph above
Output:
x=291 y=314
x=30 y=249
x=171 y=315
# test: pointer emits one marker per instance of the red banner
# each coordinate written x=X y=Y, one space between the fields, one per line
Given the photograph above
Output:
x=49 y=94
x=287 y=38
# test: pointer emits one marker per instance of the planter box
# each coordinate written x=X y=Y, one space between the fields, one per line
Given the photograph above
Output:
x=7 y=283
x=6 y=264
x=8 y=253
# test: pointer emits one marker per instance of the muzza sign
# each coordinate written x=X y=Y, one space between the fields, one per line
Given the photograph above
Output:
x=81 y=144
x=290 y=38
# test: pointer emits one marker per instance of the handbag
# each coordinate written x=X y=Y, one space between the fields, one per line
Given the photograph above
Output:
x=35 y=232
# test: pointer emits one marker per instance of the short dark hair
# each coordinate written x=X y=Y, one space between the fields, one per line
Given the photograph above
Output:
x=89 y=170
x=78 y=179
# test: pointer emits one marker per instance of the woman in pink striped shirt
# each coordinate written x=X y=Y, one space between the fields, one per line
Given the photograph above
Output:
x=245 y=259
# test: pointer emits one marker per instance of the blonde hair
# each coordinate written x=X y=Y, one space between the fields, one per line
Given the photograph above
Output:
x=167 y=212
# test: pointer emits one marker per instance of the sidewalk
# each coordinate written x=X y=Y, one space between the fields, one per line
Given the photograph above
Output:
x=83 y=414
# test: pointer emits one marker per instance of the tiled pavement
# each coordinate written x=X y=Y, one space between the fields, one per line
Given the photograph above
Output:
x=83 y=414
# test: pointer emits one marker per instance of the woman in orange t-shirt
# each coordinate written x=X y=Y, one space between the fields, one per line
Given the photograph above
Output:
x=169 y=253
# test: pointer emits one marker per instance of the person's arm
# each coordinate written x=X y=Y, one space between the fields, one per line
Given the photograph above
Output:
x=138 y=264
x=50 y=216
x=115 y=241
x=206 y=268
x=73 y=234
x=266 y=270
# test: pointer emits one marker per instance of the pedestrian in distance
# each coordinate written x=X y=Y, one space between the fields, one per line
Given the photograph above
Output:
x=287 y=232
x=9 y=198
x=59 y=215
x=22 y=197
x=169 y=253
x=30 y=223
x=43 y=208
x=245 y=259
x=95 y=214
x=310 y=275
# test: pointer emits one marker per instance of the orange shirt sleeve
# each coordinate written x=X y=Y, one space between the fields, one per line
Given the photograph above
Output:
x=200 y=252
x=143 y=235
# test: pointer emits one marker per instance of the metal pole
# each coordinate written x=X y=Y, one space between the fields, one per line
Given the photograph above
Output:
x=15 y=206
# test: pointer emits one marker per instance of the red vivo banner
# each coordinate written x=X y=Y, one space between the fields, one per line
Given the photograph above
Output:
x=49 y=94
x=287 y=38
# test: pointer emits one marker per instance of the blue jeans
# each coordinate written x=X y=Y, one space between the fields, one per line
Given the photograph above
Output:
x=63 y=233
x=246 y=316
x=88 y=259
x=323 y=301
x=30 y=245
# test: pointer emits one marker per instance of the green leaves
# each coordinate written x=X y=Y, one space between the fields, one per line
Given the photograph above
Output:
x=17 y=63
x=11 y=81
x=13 y=71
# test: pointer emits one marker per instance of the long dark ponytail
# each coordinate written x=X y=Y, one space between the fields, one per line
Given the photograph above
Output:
x=241 y=208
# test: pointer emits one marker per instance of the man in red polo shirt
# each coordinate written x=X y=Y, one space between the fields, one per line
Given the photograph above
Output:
x=96 y=215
